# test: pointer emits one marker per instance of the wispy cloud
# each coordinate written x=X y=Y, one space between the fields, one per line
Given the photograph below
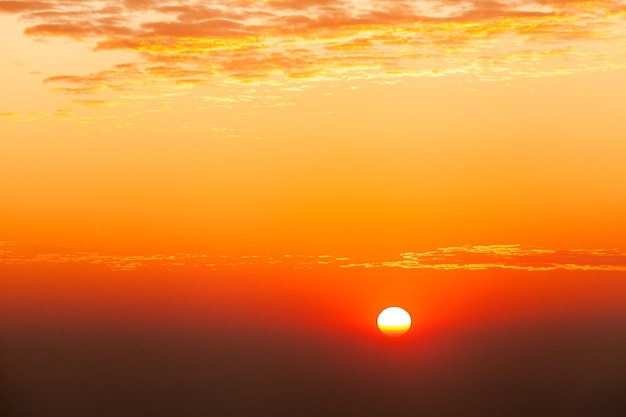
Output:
x=469 y=257
x=517 y=257
x=94 y=103
x=13 y=254
x=276 y=41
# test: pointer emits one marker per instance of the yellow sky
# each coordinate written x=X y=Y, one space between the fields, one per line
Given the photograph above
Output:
x=313 y=126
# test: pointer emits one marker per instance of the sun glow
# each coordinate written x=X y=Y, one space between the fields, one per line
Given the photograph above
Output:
x=394 y=321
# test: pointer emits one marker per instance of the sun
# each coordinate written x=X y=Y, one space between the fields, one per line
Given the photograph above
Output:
x=394 y=321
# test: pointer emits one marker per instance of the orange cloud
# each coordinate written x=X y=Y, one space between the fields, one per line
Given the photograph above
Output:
x=517 y=257
x=77 y=30
x=469 y=257
x=93 y=103
x=23 y=6
x=245 y=40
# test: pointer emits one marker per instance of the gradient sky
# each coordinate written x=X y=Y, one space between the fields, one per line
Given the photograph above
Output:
x=162 y=161
x=316 y=126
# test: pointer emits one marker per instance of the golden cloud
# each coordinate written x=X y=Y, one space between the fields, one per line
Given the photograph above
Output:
x=193 y=42
x=469 y=257
x=507 y=257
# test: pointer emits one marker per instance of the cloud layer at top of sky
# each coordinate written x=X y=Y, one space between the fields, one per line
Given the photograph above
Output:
x=278 y=41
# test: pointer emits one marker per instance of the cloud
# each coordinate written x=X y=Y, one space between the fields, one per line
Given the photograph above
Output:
x=94 y=103
x=277 y=40
x=23 y=253
x=76 y=30
x=469 y=257
x=23 y=6
x=516 y=257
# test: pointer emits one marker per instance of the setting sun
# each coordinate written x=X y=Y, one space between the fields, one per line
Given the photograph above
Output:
x=394 y=321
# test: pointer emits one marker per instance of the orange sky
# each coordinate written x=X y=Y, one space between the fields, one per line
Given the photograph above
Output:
x=357 y=134
x=313 y=127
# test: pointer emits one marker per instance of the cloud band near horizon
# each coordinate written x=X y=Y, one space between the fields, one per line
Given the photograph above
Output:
x=468 y=257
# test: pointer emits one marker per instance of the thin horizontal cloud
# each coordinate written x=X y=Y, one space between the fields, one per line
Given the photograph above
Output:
x=23 y=6
x=94 y=103
x=469 y=257
x=507 y=257
x=22 y=253
x=77 y=30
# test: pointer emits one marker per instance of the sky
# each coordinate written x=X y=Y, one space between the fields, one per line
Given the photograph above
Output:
x=237 y=188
